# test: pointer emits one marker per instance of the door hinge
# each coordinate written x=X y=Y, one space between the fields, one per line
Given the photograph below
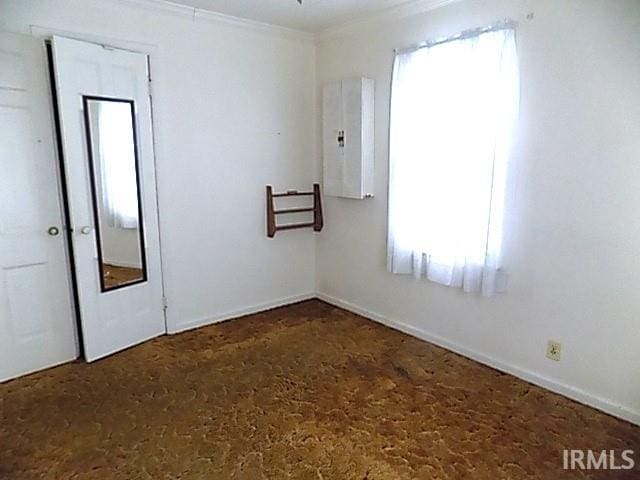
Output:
x=165 y=304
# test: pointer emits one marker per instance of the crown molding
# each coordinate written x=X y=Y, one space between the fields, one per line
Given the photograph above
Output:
x=195 y=14
x=395 y=13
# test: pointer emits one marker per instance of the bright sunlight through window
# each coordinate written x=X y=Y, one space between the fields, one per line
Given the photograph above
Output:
x=453 y=110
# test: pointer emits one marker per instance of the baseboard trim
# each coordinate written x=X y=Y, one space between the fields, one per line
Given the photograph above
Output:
x=568 y=391
x=230 y=315
x=58 y=363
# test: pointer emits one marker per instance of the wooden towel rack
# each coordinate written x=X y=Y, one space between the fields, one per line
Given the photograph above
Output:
x=273 y=227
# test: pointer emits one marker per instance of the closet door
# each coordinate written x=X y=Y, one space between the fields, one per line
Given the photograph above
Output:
x=351 y=103
x=332 y=140
x=348 y=138
x=106 y=128
x=37 y=328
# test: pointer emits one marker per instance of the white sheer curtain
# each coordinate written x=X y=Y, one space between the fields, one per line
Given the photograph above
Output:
x=453 y=111
x=118 y=166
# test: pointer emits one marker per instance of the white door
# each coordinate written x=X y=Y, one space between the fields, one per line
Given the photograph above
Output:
x=37 y=326
x=107 y=140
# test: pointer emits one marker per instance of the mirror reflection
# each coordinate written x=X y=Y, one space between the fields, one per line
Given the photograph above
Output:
x=110 y=126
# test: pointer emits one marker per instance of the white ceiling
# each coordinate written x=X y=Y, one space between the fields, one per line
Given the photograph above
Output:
x=311 y=16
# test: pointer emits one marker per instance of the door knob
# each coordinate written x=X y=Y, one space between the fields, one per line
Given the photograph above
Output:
x=53 y=231
x=85 y=230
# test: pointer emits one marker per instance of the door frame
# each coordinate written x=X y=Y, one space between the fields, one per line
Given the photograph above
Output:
x=46 y=34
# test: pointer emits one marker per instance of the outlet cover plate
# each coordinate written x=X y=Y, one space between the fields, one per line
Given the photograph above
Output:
x=554 y=350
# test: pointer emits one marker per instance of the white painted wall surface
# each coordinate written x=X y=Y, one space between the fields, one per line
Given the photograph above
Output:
x=234 y=110
x=120 y=246
x=573 y=222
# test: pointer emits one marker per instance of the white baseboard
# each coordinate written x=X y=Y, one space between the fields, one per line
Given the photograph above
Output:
x=57 y=363
x=203 y=322
x=565 y=390
x=568 y=391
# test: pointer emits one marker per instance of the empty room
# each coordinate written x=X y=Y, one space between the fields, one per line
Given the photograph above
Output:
x=319 y=239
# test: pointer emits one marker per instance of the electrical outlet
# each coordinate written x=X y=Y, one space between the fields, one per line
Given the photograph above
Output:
x=554 y=350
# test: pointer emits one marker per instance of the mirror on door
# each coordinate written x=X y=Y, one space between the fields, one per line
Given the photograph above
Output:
x=113 y=157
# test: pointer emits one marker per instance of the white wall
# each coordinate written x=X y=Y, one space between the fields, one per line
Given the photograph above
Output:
x=234 y=110
x=120 y=246
x=573 y=222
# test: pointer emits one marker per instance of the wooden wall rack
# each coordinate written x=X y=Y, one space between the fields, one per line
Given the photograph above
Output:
x=272 y=213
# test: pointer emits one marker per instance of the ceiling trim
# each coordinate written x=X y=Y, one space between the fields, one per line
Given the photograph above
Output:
x=397 y=12
x=209 y=15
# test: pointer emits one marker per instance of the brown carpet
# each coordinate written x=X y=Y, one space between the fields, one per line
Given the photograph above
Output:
x=115 y=276
x=303 y=392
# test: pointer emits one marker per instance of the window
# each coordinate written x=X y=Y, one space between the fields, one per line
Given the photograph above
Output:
x=453 y=110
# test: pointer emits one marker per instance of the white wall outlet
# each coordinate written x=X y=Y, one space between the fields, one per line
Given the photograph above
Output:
x=554 y=350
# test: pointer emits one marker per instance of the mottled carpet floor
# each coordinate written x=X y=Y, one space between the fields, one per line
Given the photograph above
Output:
x=307 y=391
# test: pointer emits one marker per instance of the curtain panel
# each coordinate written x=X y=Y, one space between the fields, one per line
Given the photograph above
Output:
x=454 y=107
